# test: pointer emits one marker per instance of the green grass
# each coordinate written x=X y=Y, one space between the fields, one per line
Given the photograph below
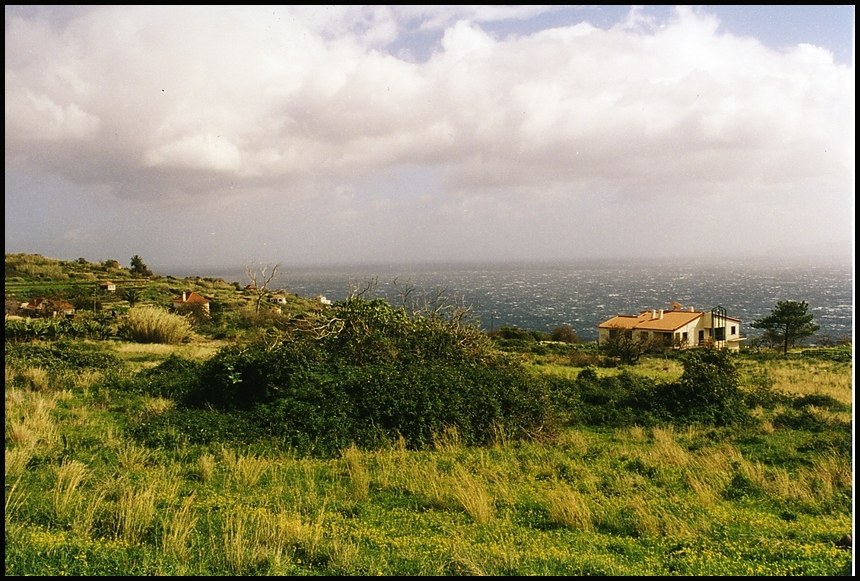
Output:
x=83 y=498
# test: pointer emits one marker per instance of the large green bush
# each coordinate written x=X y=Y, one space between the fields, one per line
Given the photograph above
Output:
x=708 y=392
x=366 y=373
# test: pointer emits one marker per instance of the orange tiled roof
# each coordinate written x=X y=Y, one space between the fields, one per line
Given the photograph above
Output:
x=191 y=297
x=644 y=321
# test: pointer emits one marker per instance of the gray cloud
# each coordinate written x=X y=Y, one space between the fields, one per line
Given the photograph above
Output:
x=159 y=108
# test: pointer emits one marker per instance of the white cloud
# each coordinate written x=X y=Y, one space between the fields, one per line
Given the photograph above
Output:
x=299 y=102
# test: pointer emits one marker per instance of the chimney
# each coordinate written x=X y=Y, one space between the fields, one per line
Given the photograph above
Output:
x=183 y=296
x=653 y=314
x=661 y=313
x=692 y=310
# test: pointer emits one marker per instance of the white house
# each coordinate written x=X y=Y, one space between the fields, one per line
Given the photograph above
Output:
x=677 y=328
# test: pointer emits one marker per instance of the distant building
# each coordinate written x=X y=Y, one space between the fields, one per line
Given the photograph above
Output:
x=279 y=299
x=190 y=301
x=677 y=328
x=108 y=286
x=322 y=300
x=42 y=307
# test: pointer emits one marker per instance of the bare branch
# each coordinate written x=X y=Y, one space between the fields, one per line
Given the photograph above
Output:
x=259 y=278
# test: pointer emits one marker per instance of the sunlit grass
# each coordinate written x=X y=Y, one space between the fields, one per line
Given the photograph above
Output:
x=638 y=500
x=197 y=350
x=472 y=496
x=135 y=512
x=178 y=528
x=70 y=474
x=568 y=508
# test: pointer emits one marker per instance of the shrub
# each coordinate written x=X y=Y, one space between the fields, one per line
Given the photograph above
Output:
x=565 y=334
x=376 y=374
x=61 y=356
x=708 y=390
x=174 y=378
x=149 y=324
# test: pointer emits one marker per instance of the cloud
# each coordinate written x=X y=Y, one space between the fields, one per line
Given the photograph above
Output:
x=155 y=104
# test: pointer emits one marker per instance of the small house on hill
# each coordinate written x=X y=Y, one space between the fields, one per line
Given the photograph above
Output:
x=677 y=328
x=279 y=298
x=42 y=307
x=190 y=301
x=108 y=286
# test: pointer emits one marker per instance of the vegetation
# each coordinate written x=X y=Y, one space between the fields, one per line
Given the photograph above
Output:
x=788 y=323
x=627 y=347
x=138 y=267
x=368 y=439
x=149 y=324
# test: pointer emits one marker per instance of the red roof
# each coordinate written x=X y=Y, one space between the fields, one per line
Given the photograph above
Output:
x=191 y=297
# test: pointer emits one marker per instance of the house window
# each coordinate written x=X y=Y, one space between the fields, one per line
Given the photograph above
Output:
x=720 y=334
x=685 y=336
x=734 y=330
x=701 y=336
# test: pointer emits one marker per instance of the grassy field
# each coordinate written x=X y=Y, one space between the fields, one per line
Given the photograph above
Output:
x=91 y=488
x=84 y=497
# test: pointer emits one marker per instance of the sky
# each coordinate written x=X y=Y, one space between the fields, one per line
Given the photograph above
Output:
x=213 y=136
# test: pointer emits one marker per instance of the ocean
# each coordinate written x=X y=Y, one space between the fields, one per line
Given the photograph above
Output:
x=582 y=294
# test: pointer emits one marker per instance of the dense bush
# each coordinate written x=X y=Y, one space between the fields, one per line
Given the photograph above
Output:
x=174 y=378
x=366 y=373
x=708 y=392
x=55 y=329
x=564 y=334
x=60 y=356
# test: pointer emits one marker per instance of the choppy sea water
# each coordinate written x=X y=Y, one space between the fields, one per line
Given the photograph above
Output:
x=544 y=296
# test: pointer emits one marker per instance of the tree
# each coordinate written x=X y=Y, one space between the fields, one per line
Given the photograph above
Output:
x=132 y=295
x=788 y=322
x=259 y=278
x=565 y=334
x=626 y=346
x=139 y=267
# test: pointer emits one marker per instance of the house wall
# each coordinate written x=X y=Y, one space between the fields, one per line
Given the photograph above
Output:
x=704 y=324
x=732 y=339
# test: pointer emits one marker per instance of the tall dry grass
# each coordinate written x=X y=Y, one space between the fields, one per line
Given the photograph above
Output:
x=178 y=527
x=666 y=451
x=150 y=324
x=135 y=512
x=70 y=475
x=205 y=467
x=472 y=495
x=569 y=508
x=35 y=378
x=30 y=424
x=247 y=471
x=358 y=474
x=241 y=543
x=132 y=457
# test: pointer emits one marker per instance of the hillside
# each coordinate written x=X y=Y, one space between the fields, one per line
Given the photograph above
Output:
x=78 y=282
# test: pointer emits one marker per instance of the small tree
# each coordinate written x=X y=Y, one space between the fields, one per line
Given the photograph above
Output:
x=259 y=278
x=788 y=322
x=627 y=347
x=709 y=388
x=565 y=334
x=132 y=295
x=139 y=267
